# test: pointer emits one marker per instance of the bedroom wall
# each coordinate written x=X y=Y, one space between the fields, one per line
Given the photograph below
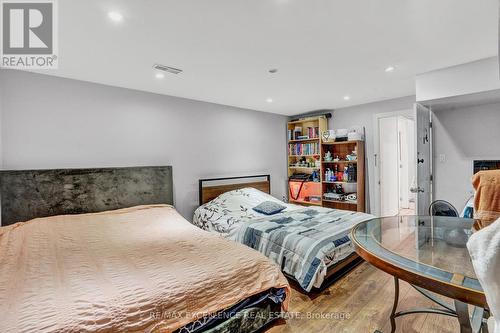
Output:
x=362 y=115
x=1 y=113
x=463 y=135
x=51 y=122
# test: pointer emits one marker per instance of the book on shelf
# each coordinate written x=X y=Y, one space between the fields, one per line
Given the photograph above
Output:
x=303 y=148
x=313 y=132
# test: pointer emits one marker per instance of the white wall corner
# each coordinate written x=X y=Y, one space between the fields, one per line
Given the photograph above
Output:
x=469 y=78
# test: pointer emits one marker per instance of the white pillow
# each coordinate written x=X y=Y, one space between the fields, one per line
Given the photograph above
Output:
x=231 y=208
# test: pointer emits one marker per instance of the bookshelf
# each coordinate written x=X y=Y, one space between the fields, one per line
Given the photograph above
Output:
x=304 y=157
x=351 y=181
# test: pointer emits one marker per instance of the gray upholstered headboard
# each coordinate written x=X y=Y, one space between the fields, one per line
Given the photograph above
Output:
x=27 y=194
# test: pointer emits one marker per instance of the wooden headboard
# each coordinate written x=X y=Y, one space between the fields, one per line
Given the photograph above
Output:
x=27 y=194
x=209 y=192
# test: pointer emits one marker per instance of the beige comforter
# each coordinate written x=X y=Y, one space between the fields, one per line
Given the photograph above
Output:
x=140 y=269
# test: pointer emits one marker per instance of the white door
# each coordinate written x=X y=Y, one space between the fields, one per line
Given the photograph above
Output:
x=406 y=147
x=388 y=165
x=423 y=184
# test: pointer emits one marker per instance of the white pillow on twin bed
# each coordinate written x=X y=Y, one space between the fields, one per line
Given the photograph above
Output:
x=225 y=212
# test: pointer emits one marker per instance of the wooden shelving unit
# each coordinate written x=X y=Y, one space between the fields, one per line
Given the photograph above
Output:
x=309 y=149
x=356 y=185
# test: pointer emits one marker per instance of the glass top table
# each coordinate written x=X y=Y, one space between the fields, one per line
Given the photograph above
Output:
x=428 y=252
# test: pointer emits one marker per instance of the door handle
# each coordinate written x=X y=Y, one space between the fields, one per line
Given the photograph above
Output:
x=420 y=160
x=417 y=190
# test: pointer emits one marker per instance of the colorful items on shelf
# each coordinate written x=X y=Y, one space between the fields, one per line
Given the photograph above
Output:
x=350 y=158
x=328 y=156
x=330 y=176
x=353 y=156
x=313 y=132
x=315 y=176
x=306 y=163
x=343 y=174
x=303 y=148
x=348 y=175
x=342 y=197
x=297 y=134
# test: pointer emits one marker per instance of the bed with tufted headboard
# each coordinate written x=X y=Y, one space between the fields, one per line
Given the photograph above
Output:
x=103 y=249
x=28 y=194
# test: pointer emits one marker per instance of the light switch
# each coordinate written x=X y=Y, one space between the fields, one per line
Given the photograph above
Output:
x=442 y=158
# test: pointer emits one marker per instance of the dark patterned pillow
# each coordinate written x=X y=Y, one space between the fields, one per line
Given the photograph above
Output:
x=269 y=208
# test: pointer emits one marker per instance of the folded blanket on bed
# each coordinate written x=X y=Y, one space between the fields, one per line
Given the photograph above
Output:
x=487 y=198
x=484 y=249
x=303 y=242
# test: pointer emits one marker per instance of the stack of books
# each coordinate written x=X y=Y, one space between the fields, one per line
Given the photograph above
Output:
x=313 y=132
x=303 y=148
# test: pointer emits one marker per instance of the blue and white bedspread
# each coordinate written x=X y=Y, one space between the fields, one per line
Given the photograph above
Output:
x=303 y=242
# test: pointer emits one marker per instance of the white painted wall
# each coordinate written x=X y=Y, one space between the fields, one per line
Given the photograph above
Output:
x=470 y=78
x=50 y=122
x=462 y=135
x=362 y=115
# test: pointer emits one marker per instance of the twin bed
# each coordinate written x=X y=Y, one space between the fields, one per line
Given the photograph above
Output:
x=310 y=244
x=104 y=250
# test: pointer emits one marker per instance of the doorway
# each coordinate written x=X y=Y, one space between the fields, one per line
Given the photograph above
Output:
x=395 y=160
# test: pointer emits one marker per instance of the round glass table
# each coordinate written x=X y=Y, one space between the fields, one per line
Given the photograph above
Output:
x=430 y=253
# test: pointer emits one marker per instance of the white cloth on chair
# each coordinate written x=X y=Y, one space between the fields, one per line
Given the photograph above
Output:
x=484 y=249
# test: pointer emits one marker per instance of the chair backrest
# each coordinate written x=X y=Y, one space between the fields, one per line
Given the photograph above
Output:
x=442 y=208
x=468 y=211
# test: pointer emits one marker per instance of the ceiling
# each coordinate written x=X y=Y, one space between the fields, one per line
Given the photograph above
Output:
x=323 y=49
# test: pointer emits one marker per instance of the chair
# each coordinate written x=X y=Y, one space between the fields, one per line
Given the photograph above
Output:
x=468 y=211
x=442 y=208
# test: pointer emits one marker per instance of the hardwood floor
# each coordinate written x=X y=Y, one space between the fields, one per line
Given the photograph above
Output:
x=360 y=302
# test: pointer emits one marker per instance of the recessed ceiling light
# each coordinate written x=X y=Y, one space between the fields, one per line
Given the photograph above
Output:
x=347 y=98
x=390 y=69
x=159 y=75
x=269 y=100
x=167 y=69
x=115 y=16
